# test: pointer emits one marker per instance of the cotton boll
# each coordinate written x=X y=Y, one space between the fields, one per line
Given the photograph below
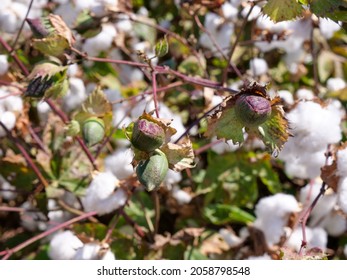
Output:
x=335 y=224
x=295 y=239
x=319 y=238
x=254 y=13
x=93 y=251
x=119 y=163
x=101 y=42
x=229 y=11
x=334 y=84
x=342 y=162
x=68 y=12
x=9 y=120
x=342 y=194
x=272 y=215
x=64 y=246
x=172 y=177
x=328 y=27
x=345 y=250
x=305 y=94
x=43 y=110
x=181 y=196
x=33 y=220
x=258 y=66
x=223 y=147
x=13 y=103
x=72 y=70
x=76 y=94
x=3 y=64
x=287 y=96
x=230 y=237
x=8 y=192
x=102 y=196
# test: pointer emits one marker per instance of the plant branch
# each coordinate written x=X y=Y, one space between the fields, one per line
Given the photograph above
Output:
x=7 y=253
x=27 y=157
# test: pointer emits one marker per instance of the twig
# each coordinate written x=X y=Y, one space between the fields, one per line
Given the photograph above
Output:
x=130 y=221
x=7 y=253
x=156 y=210
x=155 y=97
x=207 y=146
x=314 y=61
x=26 y=156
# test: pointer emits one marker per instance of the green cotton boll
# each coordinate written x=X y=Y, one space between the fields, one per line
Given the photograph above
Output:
x=152 y=172
x=93 y=131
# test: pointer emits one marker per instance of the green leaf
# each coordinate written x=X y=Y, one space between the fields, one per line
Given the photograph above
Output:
x=220 y=214
x=225 y=124
x=333 y=9
x=191 y=66
x=162 y=47
x=281 y=10
x=325 y=63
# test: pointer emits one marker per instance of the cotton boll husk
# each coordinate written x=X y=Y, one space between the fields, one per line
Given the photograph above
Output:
x=258 y=66
x=93 y=251
x=64 y=245
x=230 y=237
x=325 y=204
x=3 y=64
x=328 y=27
x=9 y=120
x=334 y=84
x=181 y=196
x=119 y=163
x=342 y=162
x=342 y=194
x=272 y=215
x=75 y=96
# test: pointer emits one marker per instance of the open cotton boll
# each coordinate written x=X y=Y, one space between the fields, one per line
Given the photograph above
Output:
x=119 y=163
x=319 y=238
x=7 y=190
x=230 y=237
x=258 y=66
x=75 y=95
x=328 y=27
x=93 y=251
x=345 y=250
x=43 y=110
x=64 y=245
x=295 y=239
x=101 y=42
x=256 y=12
x=102 y=196
x=181 y=196
x=335 y=224
x=315 y=237
x=221 y=31
x=286 y=96
x=229 y=11
x=342 y=194
x=3 y=64
x=172 y=177
x=304 y=93
x=342 y=162
x=272 y=215
x=13 y=103
x=8 y=119
x=335 y=84
x=32 y=220
x=223 y=147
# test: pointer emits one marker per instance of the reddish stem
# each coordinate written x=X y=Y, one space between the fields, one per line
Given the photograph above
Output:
x=7 y=253
x=155 y=96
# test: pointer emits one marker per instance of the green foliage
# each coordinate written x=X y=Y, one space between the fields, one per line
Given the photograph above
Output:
x=281 y=10
x=333 y=9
